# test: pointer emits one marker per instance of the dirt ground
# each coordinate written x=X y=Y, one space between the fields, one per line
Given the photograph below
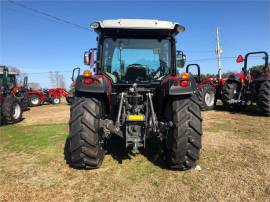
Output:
x=234 y=162
x=50 y=114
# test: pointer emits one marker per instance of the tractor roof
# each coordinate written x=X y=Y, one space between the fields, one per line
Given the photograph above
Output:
x=9 y=72
x=137 y=24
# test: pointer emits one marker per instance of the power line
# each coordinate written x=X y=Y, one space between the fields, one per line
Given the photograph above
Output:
x=48 y=15
x=50 y=72
x=223 y=58
x=198 y=51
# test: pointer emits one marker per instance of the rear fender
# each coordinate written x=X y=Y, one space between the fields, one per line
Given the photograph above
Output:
x=101 y=87
x=170 y=86
x=236 y=77
x=264 y=77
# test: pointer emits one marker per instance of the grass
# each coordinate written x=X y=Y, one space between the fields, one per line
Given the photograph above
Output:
x=33 y=138
x=234 y=160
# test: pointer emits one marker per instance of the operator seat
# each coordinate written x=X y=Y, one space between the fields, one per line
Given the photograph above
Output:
x=136 y=72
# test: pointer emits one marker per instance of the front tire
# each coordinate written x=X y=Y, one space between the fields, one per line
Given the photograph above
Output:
x=263 y=102
x=56 y=100
x=34 y=101
x=84 y=145
x=69 y=100
x=206 y=97
x=183 y=140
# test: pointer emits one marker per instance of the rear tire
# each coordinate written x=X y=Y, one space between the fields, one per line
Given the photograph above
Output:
x=12 y=110
x=183 y=140
x=263 y=102
x=84 y=146
x=230 y=91
x=34 y=101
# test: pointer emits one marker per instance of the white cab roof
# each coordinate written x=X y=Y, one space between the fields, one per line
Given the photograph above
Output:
x=10 y=73
x=137 y=24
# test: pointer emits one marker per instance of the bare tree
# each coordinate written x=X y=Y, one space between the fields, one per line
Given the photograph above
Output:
x=57 y=80
x=62 y=83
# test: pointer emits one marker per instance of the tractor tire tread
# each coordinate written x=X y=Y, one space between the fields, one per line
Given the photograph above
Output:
x=83 y=148
x=263 y=102
x=183 y=150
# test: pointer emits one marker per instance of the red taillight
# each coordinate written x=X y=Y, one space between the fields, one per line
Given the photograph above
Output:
x=184 y=83
x=88 y=81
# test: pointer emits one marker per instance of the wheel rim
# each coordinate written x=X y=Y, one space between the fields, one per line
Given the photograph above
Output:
x=34 y=101
x=16 y=111
x=209 y=99
x=56 y=100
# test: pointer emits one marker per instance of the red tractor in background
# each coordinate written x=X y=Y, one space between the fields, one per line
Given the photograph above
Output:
x=245 y=88
x=10 y=106
x=18 y=91
x=217 y=83
x=205 y=89
x=52 y=96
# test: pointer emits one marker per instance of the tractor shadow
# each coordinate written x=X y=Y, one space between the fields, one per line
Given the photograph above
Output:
x=249 y=110
x=115 y=147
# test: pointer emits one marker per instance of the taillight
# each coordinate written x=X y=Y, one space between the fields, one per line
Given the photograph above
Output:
x=184 y=83
x=88 y=81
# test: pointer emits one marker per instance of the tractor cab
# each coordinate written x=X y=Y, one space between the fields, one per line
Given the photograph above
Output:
x=11 y=78
x=135 y=51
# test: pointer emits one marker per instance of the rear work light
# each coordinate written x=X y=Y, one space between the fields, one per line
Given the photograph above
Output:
x=87 y=74
x=184 y=76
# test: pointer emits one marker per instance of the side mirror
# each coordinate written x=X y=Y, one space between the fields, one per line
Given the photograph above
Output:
x=240 y=59
x=89 y=57
x=180 y=59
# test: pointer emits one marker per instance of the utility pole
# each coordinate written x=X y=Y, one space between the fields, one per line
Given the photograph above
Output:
x=218 y=52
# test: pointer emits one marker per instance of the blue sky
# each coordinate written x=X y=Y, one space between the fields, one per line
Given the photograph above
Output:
x=35 y=43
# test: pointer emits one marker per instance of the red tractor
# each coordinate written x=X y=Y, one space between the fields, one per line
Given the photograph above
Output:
x=19 y=91
x=10 y=106
x=135 y=94
x=244 y=88
x=52 y=96
x=205 y=89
